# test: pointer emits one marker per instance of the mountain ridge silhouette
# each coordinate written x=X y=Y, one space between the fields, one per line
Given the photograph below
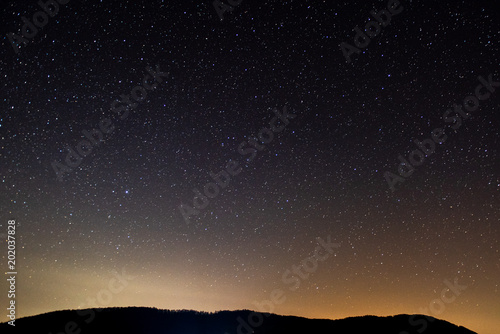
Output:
x=138 y=320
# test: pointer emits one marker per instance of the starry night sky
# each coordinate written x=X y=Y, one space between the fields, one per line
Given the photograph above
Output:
x=322 y=175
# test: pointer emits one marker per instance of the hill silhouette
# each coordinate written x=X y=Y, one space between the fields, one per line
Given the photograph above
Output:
x=139 y=320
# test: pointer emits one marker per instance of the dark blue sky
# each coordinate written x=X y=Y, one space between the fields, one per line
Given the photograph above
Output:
x=217 y=86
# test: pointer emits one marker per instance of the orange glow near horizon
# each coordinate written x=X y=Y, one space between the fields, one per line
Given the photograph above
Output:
x=195 y=155
x=333 y=290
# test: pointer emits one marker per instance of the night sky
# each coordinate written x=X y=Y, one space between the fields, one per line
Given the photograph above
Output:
x=304 y=144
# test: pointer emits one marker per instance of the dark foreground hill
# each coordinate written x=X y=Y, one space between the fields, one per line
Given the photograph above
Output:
x=138 y=320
